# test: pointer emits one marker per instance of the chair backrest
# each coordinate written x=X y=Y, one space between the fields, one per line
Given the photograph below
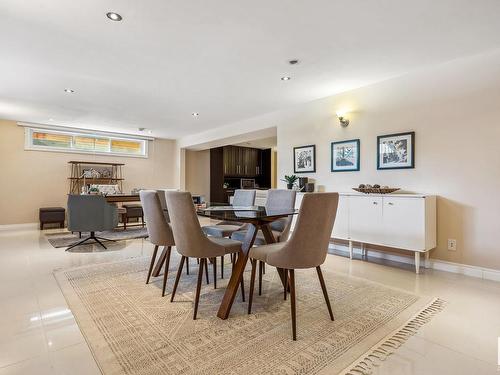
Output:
x=159 y=231
x=244 y=198
x=280 y=199
x=90 y=213
x=308 y=244
x=189 y=238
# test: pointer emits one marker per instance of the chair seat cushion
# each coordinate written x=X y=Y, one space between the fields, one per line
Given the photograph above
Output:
x=224 y=230
x=259 y=239
x=230 y=246
x=262 y=252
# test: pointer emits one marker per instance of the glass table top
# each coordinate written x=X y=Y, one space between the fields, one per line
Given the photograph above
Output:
x=241 y=214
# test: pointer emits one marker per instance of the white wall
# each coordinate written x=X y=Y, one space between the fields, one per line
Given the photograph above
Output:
x=198 y=172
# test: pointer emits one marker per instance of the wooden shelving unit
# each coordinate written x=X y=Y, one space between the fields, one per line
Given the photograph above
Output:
x=77 y=180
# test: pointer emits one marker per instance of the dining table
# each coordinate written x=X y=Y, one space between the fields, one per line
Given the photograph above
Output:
x=256 y=218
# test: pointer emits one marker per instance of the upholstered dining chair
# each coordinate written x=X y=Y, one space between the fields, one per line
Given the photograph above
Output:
x=306 y=248
x=242 y=198
x=159 y=231
x=277 y=199
x=191 y=242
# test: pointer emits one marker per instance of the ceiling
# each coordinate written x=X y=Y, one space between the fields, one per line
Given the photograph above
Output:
x=222 y=59
x=262 y=143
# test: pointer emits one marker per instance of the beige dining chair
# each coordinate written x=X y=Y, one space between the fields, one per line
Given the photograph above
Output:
x=159 y=231
x=277 y=199
x=306 y=248
x=242 y=198
x=193 y=243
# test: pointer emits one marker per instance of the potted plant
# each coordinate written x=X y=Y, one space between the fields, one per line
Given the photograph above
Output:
x=94 y=190
x=290 y=181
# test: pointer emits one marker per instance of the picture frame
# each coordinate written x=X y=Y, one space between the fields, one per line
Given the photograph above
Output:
x=345 y=156
x=304 y=159
x=396 y=151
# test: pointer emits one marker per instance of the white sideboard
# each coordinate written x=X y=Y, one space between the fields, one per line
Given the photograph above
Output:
x=402 y=221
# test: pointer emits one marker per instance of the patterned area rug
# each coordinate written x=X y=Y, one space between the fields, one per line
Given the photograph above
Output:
x=131 y=329
x=65 y=239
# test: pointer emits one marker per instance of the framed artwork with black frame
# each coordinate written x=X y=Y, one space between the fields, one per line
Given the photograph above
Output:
x=345 y=156
x=304 y=159
x=396 y=151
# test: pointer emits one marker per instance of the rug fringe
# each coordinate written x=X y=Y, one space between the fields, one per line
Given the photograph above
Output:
x=392 y=342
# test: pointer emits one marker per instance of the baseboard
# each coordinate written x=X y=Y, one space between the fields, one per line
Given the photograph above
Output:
x=436 y=264
x=24 y=226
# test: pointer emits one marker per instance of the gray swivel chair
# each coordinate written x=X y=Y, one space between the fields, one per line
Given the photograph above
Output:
x=159 y=231
x=90 y=213
x=307 y=247
x=242 y=198
x=190 y=241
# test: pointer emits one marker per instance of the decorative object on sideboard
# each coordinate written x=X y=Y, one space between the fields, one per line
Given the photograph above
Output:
x=94 y=190
x=302 y=183
x=309 y=187
x=290 y=181
x=396 y=151
x=375 y=189
x=345 y=156
x=304 y=159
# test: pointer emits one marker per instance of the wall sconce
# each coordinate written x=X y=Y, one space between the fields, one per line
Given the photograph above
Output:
x=344 y=122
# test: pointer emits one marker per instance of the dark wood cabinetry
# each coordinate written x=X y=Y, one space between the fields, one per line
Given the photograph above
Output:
x=231 y=163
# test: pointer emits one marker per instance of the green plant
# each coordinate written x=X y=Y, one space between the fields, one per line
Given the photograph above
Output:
x=290 y=179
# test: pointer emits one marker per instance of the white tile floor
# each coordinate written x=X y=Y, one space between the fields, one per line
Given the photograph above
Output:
x=38 y=334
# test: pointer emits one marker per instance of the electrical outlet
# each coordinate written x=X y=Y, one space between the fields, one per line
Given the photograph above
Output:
x=452 y=244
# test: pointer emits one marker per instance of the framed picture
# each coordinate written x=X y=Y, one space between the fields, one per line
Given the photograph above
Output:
x=345 y=156
x=396 y=151
x=304 y=159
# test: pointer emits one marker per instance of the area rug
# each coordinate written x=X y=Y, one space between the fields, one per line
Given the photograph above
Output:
x=131 y=329
x=65 y=239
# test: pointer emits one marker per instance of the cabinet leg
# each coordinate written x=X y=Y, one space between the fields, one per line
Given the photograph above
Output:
x=350 y=249
x=417 y=262
x=363 y=250
x=427 y=258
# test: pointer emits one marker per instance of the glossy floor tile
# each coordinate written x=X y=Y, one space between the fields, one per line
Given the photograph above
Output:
x=39 y=334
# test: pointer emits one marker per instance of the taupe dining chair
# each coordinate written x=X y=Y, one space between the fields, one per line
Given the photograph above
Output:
x=193 y=243
x=307 y=247
x=277 y=199
x=242 y=198
x=159 y=231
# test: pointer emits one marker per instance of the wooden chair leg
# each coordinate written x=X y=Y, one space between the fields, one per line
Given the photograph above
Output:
x=325 y=293
x=285 y=281
x=203 y=263
x=198 y=260
x=153 y=258
x=222 y=267
x=206 y=271
x=260 y=278
x=187 y=266
x=292 y=304
x=165 y=273
x=252 y=285
x=214 y=265
x=242 y=285
x=179 y=272
x=263 y=268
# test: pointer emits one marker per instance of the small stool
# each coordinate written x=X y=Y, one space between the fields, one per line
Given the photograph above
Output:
x=52 y=215
x=132 y=211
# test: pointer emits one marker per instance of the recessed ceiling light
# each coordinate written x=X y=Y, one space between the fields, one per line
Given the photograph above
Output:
x=51 y=119
x=69 y=91
x=293 y=62
x=286 y=78
x=195 y=114
x=114 y=16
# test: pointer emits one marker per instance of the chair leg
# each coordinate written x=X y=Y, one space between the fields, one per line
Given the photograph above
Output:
x=153 y=258
x=99 y=242
x=187 y=266
x=203 y=262
x=252 y=285
x=214 y=265
x=263 y=268
x=260 y=278
x=78 y=243
x=292 y=304
x=222 y=266
x=325 y=293
x=285 y=281
x=198 y=260
x=165 y=273
x=179 y=272
x=242 y=285
x=206 y=271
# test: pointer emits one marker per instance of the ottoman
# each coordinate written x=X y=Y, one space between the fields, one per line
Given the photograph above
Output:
x=52 y=215
x=132 y=211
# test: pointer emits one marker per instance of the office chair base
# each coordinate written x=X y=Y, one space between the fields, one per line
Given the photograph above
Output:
x=91 y=237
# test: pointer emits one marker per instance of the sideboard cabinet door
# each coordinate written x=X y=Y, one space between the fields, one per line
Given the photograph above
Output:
x=404 y=223
x=365 y=219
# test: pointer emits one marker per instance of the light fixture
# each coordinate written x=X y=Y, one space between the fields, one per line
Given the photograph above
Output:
x=114 y=16
x=69 y=91
x=286 y=78
x=344 y=122
x=195 y=114
x=293 y=62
